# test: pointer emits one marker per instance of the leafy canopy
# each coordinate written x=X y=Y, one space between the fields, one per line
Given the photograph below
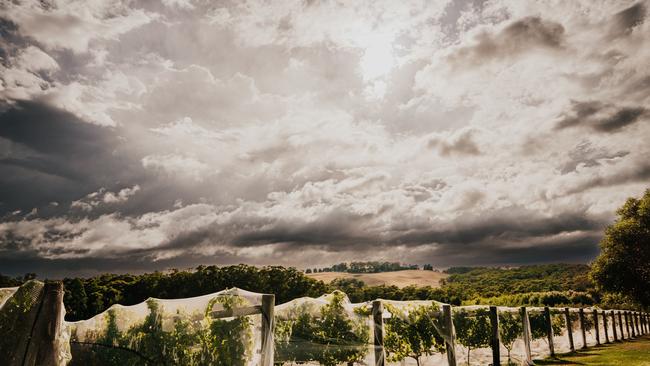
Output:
x=623 y=264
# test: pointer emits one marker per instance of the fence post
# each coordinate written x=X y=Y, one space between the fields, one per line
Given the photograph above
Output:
x=581 y=313
x=614 y=325
x=620 y=325
x=268 y=327
x=636 y=321
x=605 y=326
x=596 y=326
x=549 y=330
x=526 y=329
x=378 y=332
x=496 y=341
x=630 y=330
x=569 y=326
x=42 y=349
x=451 y=341
x=627 y=325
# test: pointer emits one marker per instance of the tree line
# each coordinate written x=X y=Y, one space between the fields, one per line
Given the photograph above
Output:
x=368 y=267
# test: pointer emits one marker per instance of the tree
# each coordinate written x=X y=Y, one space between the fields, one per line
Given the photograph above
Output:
x=427 y=267
x=412 y=333
x=622 y=266
x=473 y=330
x=510 y=328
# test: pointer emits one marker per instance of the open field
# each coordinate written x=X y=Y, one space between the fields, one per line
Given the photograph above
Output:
x=397 y=278
x=630 y=353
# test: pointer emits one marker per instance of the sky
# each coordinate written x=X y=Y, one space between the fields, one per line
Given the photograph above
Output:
x=146 y=135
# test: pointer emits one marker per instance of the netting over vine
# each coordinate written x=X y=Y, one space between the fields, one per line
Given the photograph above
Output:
x=223 y=329
x=240 y=328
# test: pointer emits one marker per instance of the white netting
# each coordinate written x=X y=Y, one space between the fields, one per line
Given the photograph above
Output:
x=328 y=330
x=233 y=328
x=223 y=328
x=6 y=293
x=17 y=316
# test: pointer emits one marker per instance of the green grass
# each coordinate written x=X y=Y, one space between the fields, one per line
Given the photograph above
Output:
x=635 y=352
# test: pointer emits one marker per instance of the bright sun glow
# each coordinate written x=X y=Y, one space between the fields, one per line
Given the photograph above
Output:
x=377 y=60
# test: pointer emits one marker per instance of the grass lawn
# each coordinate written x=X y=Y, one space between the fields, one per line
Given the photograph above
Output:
x=633 y=353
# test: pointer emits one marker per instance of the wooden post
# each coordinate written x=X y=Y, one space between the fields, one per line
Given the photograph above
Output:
x=630 y=333
x=620 y=324
x=451 y=334
x=495 y=340
x=569 y=326
x=614 y=325
x=526 y=329
x=42 y=349
x=605 y=326
x=581 y=313
x=378 y=331
x=636 y=322
x=268 y=328
x=596 y=326
x=549 y=330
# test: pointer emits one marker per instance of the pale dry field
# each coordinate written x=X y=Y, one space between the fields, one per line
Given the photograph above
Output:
x=397 y=278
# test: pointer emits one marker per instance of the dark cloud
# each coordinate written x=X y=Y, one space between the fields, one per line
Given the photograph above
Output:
x=626 y=20
x=601 y=117
x=637 y=172
x=57 y=157
x=575 y=249
x=589 y=156
x=520 y=36
x=504 y=225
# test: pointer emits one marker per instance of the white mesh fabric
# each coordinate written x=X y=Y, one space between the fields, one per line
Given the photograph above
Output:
x=215 y=329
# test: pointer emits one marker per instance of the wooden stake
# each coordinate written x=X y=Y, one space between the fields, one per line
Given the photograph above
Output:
x=581 y=313
x=495 y=340
x=378 y=338
x=451 y=334
x=620 y=324
x=569 y=326
x=268 y=328
x=596 y=326
x=526 y=328
x=614 y=325
x=605 y=327
x=43 y=349
x=549 y=330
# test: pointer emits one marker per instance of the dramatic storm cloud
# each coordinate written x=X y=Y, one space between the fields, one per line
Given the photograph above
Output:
x=148 y=135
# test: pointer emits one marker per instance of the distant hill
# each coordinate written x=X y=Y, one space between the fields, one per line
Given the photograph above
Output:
x=486 y=281
x=395 y=278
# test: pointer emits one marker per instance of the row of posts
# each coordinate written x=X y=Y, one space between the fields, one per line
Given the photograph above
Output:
x=636 y=324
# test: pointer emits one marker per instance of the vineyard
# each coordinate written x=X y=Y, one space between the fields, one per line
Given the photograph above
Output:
x=237 y=328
